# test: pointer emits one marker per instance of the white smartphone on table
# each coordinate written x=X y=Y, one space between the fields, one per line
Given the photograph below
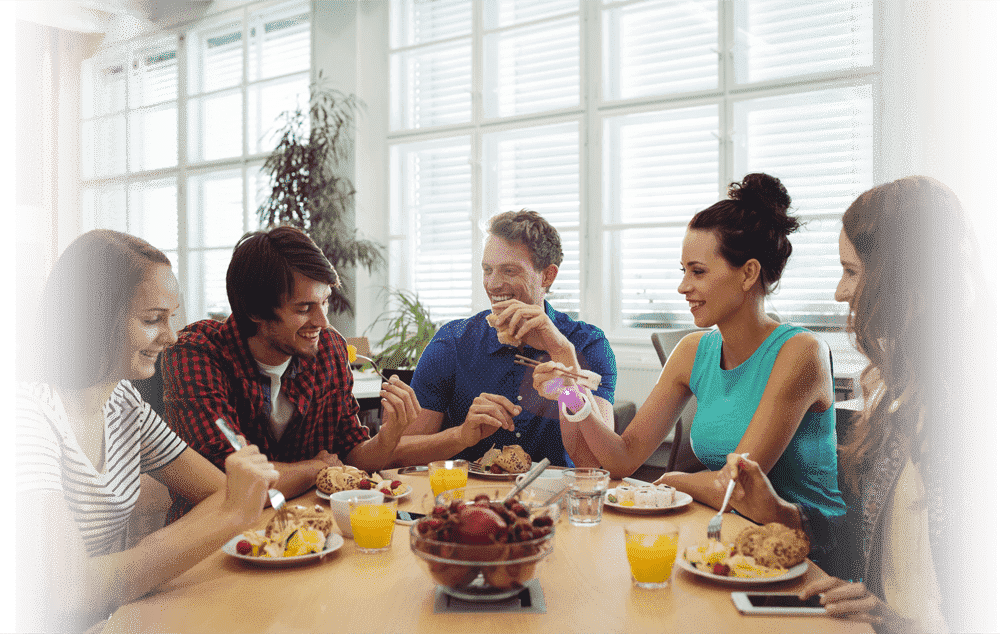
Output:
x=776 y=603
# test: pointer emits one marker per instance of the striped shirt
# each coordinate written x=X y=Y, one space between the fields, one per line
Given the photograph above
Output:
x=49 y=458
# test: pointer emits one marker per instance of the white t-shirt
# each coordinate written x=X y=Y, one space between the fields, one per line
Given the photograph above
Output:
x=281 y=408
x=49 y=458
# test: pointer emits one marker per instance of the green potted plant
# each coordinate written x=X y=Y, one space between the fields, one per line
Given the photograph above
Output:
x=409 y=328
x=309 y=188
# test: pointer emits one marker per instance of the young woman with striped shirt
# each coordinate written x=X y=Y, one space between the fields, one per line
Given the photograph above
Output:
x=84 y=435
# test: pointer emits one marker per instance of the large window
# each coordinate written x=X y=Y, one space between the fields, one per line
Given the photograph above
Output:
x=618 y=121
x=175 y=129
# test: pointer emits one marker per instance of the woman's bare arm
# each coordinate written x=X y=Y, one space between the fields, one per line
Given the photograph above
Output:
x=81 y=584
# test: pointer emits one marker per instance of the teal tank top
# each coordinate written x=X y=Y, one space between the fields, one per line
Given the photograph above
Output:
x=727 y=399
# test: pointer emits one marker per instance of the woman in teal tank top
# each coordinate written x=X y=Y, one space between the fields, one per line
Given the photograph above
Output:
x=782 y=411
x=806 y=472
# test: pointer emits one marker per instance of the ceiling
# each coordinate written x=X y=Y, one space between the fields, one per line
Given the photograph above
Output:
x=110 y=16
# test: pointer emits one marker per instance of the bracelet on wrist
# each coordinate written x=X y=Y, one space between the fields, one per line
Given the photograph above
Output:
x=576 y=403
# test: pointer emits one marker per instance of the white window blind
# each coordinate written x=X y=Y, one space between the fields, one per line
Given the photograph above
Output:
x=820 y=144
x=661 y=167
x=689 y=95
x=539 y=169
x=532 y=68
x=433 y=194
x=244 y=67
x=658 y=48
x=784 y=38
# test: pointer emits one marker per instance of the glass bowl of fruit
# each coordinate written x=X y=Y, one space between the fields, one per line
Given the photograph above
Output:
x=478 y=548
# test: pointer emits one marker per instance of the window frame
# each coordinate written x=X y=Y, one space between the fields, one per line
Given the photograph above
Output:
x=247 y=162
x=595 y=108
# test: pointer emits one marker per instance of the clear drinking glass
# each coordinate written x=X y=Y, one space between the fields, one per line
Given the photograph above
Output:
x=585 y=499
x=651 y=548
x=372 y=522
x=448 y=474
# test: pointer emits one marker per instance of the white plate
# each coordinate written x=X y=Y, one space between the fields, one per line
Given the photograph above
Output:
x=326 y=496
x=680 y=499
x=793 y=573
x=479 y=472
x=333 y=542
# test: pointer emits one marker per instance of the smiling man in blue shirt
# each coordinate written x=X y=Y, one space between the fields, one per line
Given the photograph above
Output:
x=472 y=393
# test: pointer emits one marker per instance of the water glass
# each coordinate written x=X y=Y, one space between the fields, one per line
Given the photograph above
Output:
x=372 y=522
x=585 y=499
x=651 y=548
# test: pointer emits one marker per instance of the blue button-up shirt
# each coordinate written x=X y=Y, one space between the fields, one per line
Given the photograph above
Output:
x=465 y=359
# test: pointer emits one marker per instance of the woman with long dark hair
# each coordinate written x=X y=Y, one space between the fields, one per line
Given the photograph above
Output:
x=909 y=261
x=84 y=435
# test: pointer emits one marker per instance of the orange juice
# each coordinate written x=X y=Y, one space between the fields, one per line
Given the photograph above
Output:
x=372 y=524
x=444 y=479
x=651 y=557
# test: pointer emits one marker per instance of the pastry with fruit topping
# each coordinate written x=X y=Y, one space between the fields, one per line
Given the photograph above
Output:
x=292 y=532
x=339 y=478
x=511 y=459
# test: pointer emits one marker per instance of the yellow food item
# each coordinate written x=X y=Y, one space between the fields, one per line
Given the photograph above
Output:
x=628 y=503
x=705 y=555
x=352 y=353
x=305 y=541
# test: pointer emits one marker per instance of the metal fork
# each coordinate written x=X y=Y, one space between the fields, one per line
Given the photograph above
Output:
x=715 y=524
x=277 y=498
x=377 y=371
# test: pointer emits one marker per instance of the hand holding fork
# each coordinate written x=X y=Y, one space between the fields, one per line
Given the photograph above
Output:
x=277 y=497
x=715 y=524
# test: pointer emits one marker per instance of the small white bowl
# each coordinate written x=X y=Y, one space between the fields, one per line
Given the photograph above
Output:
x=342 y=512
x=550 y=481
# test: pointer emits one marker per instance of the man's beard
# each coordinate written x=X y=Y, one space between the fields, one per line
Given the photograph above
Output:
x=308 y=354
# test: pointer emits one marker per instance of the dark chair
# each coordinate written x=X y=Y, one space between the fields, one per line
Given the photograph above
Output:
x=624 y=413
x=151 y=390
x=679 y=455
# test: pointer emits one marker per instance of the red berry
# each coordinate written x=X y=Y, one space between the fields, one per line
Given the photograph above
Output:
x=364 y=485
x=396 y=484
x=721 y=569
x=243 y=547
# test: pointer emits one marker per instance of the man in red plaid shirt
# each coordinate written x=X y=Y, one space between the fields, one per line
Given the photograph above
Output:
x=276 y=371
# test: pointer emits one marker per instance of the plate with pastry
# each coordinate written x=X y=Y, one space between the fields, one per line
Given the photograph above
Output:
x=502 y=464
x=295 y=535
x=646 y=499
x=761 y=554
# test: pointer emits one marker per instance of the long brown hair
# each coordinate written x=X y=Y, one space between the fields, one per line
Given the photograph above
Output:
x=84 y=304
x=919 y=261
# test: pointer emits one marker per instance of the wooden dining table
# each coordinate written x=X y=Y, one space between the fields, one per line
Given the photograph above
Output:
x=586 y=587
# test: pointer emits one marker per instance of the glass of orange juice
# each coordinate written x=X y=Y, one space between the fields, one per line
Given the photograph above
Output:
x=372 y=522
x=448 y=474
x=651 y=548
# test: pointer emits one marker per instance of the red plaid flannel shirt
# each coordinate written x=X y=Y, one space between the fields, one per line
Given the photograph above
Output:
x=210 y=373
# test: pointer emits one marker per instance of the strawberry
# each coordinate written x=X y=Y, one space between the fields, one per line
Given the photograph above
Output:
x=721 y=570
x=366 y=484
x=396 y=484
x=243 y=547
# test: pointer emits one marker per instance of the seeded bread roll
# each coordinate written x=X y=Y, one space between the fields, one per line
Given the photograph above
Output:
x=513 y=459
x=774 y=545
x=504 y=335
x=339 y=478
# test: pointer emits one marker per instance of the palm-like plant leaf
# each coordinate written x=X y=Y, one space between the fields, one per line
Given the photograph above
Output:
x=308 y=187
x=409 y=328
